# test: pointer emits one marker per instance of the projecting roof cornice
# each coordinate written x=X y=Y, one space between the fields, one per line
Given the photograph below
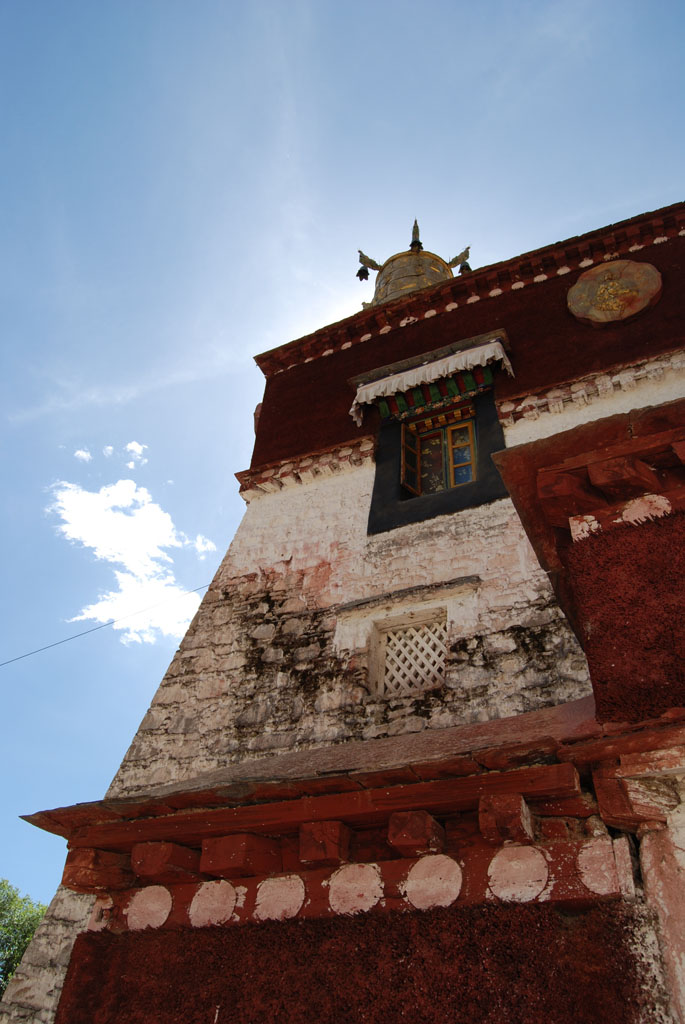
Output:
x=487 y=283
x=539 y=741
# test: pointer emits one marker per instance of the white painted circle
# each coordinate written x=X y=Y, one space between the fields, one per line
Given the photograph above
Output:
x=355 y=888
x=518 y=874
x=149 y=908
x=597 y=867
x=279 y=898
x=434 y=881
x=213 y=903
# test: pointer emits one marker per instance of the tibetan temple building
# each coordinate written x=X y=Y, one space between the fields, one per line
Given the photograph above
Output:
x=421 y=753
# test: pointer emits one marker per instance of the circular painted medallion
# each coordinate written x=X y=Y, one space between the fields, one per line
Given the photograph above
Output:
x=614 y=291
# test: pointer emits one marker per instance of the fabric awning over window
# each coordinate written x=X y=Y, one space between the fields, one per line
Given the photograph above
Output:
x=480 y=355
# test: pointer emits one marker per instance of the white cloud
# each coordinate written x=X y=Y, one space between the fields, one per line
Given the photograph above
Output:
x=202 y=545
x=135 y=449
x=108 y=450
x=161 y=606
x=83 y=454
x=123 y=526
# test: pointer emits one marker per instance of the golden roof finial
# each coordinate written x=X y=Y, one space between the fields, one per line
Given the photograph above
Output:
x=410 y=270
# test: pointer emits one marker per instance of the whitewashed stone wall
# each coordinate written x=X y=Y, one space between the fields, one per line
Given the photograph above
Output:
x=277 y=656
x=33 y=993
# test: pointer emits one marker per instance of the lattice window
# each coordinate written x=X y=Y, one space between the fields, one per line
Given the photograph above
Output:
x=413 y=659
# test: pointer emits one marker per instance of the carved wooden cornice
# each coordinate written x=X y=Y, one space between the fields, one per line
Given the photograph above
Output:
x=305 y=469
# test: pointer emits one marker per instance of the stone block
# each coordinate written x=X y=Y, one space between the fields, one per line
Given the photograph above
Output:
x=324 y=843
x=307 y=653
x=69 y=906
x=272 y=655
x=257 y=711
x=499 y=643
x=294 y=627
x=240 y=855
x=265 y=631
x=235 y=660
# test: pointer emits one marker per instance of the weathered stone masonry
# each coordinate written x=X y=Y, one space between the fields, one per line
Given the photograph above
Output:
x=260 y=670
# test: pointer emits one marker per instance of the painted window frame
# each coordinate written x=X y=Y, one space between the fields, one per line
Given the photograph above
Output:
x=393 y=506
x=444 y=426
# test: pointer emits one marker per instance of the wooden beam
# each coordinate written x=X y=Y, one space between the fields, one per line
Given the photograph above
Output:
x=165 y=862
x=413 y=833
x=238 y=855
x=565 y=494
x=623 y=804
x=624 y=477
x=610 y=748
x=91 y=871
x=324 y=843
x=653 y=764
x=364 y=807
x=505 y=817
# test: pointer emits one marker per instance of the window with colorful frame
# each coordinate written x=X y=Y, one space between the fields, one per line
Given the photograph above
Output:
x=436 y=460
x=439 y=451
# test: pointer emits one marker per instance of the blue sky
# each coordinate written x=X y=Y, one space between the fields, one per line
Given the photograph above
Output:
x=185 y=185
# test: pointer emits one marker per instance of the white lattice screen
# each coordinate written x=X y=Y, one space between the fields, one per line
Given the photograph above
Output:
x=414 y=659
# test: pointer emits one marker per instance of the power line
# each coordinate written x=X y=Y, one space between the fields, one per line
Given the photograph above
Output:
x=102 y=625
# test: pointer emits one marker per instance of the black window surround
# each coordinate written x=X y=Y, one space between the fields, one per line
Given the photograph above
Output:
x=393 y=506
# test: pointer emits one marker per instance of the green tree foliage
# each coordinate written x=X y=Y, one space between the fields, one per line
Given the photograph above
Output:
x=19 y=918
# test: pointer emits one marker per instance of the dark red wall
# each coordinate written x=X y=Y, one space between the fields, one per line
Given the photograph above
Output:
x=481 y=965
x=627 y=585
x=306 y=408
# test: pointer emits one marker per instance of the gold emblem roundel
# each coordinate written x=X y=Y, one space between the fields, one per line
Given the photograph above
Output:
x=614 y=291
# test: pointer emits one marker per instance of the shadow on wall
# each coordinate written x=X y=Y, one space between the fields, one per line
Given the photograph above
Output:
x=627 y=585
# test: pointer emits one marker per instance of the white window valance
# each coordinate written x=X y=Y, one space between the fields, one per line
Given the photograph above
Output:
x=480 y=355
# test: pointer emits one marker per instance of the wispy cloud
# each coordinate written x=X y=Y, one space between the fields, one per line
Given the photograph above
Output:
x=123 y=526
x=83 y=455
x=68 y=394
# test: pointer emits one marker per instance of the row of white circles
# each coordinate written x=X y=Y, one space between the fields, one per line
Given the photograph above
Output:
x=515 y=874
